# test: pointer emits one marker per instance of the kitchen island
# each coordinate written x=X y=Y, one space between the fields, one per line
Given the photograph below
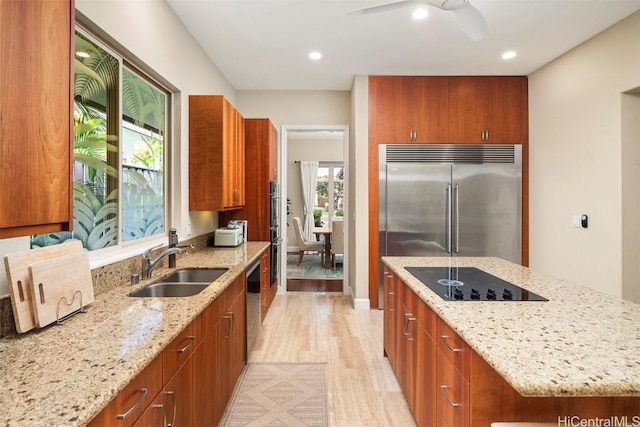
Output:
x=536 y=359
x=64 y=375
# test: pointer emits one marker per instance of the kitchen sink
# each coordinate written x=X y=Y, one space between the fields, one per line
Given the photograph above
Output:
x=182 y=283
x=170 y=290
x=195 y=276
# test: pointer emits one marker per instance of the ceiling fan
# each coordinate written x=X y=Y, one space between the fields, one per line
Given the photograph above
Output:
x=469 y=18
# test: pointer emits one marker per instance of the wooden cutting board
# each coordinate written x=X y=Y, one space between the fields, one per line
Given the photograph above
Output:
x=58 y=285
x=17 y=266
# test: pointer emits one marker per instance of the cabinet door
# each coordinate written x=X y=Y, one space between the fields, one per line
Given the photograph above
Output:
x=237 y=341
x=407 y=348
x=389 y=110
x=174 y=405
x=216 y=154
x=131 y=402
x=233 y=158
x=36 y=107
x=390 y=317
x=488 y=110
x=425 y=403
x=210 y=360
x=238 y=185
x=452 y=394
x=273 y=152
x=428 y=108
x=410 y=109
x=180 y=349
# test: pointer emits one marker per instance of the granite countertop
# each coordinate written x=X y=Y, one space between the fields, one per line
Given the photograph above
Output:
x=64 y=375
x=579 y=343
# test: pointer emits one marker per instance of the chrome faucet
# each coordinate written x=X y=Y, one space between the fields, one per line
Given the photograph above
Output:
x=149 y=264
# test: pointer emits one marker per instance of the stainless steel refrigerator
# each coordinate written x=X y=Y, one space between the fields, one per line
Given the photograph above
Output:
x=450 y=200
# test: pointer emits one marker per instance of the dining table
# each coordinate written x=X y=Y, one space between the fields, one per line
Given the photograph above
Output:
x=326 y=232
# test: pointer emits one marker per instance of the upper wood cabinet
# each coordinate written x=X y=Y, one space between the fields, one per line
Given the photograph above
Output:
x=261 y=140
x=488 y=110
x=216 y=154
x=36 y=113
x=454 y=110
x=409 y=109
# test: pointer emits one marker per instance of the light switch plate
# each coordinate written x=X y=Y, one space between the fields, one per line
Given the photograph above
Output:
x=576 y=221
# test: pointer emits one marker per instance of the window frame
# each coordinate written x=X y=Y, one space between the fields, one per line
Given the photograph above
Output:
x=126 y=249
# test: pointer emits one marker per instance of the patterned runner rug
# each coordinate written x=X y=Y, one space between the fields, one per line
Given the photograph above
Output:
x=279 y=394
x=310 y=268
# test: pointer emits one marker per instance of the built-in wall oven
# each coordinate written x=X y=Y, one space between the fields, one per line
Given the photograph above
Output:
x=274 y=234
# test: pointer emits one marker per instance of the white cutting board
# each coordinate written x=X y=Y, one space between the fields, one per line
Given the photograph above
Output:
x=17 y=266
x=59 y=285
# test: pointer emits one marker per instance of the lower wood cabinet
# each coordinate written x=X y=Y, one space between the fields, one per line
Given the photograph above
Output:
x=190 y=383
x=174 y=405
x=447 y=384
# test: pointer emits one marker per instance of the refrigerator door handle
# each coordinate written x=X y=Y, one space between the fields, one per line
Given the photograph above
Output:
x=456 y=191
x=449 y=218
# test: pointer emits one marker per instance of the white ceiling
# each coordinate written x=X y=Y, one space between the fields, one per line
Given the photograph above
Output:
x=263 y=44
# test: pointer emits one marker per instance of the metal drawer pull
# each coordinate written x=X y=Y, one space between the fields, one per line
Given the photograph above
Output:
x=144 y=391
x=164 y=414
x=228 y=317
x=443 y=390
x=173 y=420
x=444 y=340
x=233 y=323
x=192 y=339
x=410 y=319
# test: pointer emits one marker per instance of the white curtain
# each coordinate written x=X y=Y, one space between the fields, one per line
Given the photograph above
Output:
x=309 y=175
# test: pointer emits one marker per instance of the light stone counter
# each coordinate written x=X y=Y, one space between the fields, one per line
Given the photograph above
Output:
x=63 y=375
x=579 y=343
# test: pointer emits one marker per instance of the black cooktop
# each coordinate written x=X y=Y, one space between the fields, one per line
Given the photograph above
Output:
x=470 y=284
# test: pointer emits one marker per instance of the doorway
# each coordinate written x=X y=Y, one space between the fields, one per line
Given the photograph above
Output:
x=329 y=146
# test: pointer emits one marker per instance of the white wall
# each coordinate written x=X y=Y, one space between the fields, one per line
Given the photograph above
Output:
x=630 y=196
x=575 y=157
x=359 y=190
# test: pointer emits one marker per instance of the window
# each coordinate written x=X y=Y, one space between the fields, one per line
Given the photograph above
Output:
x=119 y=152
x=329 y=193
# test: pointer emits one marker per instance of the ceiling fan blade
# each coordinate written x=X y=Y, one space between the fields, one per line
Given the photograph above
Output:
x=384 y=7
x=471 y=21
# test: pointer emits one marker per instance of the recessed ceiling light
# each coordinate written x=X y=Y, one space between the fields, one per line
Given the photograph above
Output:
x=315 y=55
x=420 y=13
x=509 y=55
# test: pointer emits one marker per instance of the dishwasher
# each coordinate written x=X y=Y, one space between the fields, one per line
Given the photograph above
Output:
x=254 y=312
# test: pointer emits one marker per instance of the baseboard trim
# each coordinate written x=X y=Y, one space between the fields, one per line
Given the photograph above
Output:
x=360 y=303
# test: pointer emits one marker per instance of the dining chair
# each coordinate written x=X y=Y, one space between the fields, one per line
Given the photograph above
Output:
x=305 y=245
x=337 y=240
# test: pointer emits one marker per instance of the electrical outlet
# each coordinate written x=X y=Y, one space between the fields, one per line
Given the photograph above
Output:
x=576 y=221
x=188 y=229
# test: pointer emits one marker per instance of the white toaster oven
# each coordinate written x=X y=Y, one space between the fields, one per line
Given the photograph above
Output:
x=228 y=237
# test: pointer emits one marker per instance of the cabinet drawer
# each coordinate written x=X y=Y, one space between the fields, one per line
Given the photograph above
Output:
x=211 y=315
x=179 y=350
x=131 y=402
x=453 y=347
x=452 y=394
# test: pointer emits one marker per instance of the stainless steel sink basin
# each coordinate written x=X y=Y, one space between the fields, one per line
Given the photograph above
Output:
x=195 y=276
x=182 y=283
x=170 y=290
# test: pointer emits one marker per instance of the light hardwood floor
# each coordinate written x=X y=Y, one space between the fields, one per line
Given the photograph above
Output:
x=323 y=327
